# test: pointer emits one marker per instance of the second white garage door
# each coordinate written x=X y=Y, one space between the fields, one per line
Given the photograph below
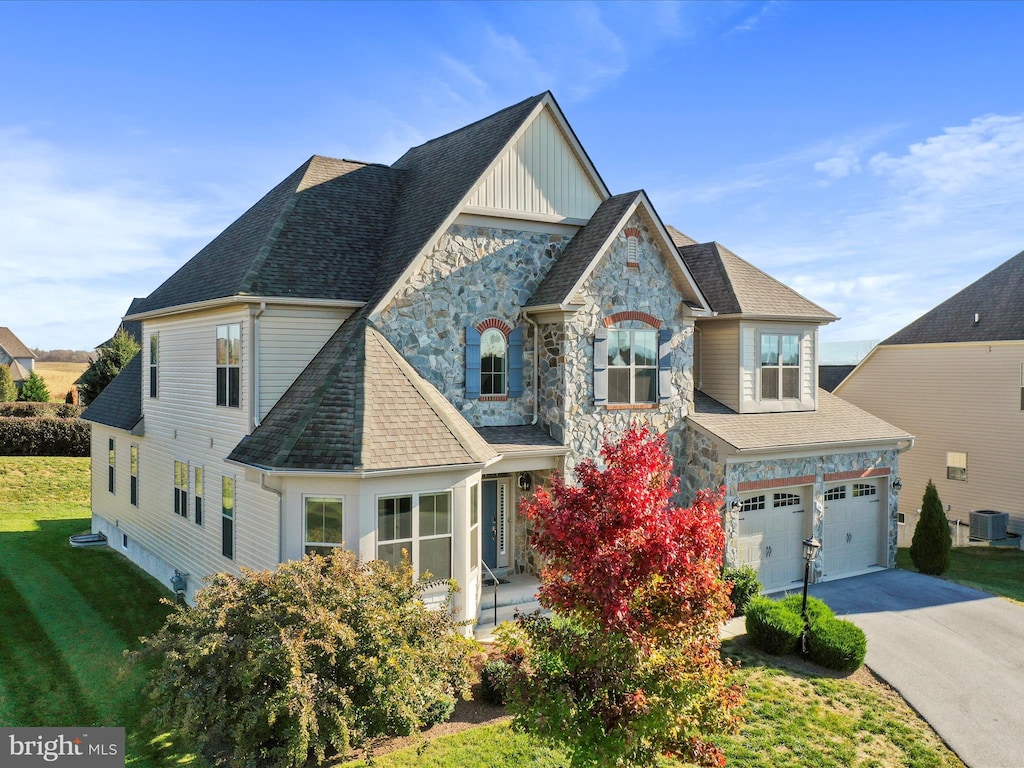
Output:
x=772 y=527
x=854 y=524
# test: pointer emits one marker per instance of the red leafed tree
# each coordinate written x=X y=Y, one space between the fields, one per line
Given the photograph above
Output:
x=630 y=666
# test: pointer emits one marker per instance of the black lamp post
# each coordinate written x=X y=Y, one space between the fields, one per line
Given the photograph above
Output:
x=811 y=547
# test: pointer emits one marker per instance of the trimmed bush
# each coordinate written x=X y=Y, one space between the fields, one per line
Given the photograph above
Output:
x=494 y=681
x=772 y=627
x=817 y=610
x=43 y=436
x=29 y=409
x=837 y=644
x=929 y=549
x=745 y=585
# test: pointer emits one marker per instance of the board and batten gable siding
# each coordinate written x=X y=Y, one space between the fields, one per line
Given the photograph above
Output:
x=750 y=367
x=718 y=358
x=539 y=174
x=289 y=338
x=963 y=398
x=185 y=424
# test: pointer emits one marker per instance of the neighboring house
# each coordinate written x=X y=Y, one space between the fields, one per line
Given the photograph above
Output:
x=20 y=359
x=830 y=376
x=389 y=357
x=955 y=379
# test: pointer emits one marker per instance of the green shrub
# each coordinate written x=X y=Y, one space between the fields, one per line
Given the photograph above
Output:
x=43 y=436
x=745 y=585
x=772 y=627
x=34 y=389
x=28 y=409
x=276 y=668
x=817 y=610
x=494 y=681
x=929 y=549
x=837 y=644
x=8 y=389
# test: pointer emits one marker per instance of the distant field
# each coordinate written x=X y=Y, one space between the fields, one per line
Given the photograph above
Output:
x=59 y=377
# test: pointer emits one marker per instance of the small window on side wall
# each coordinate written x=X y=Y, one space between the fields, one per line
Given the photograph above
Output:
x=227 y=517
x=956 y=466
x=324 y=525
x=229 y=368
x=154 y=363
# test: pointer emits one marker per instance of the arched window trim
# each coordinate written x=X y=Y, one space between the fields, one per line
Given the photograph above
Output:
x=475 y=381
x=663 y=363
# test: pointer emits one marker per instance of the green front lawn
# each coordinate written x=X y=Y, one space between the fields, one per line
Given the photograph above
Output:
x=999 y=570
x=68 y=615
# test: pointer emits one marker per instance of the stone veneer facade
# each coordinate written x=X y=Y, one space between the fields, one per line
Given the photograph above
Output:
x=567 y=349
x=472 y=274
x=706 y=467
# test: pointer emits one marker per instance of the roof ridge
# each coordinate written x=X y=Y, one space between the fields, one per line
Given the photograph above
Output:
x=468 y=126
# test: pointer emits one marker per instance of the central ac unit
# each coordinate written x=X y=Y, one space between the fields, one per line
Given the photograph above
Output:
x=987 y=524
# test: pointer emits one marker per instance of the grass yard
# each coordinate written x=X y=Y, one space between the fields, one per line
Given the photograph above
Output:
x=68 y=614
x=999 y=570
x=59 y=377
x=796 y=716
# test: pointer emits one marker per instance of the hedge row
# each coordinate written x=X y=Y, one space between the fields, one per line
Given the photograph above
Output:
x=29 y=410
x=43 y=436
x=775 y=627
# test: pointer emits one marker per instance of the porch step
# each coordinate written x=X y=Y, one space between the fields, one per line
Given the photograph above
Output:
x=484 y=629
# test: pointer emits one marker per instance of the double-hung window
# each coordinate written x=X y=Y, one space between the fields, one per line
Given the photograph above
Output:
x=632 y=366
x=324 y=525
x=181 y=488
x=154 y=362
x=956 y=466
x=421 y=525
x=134 y=468
x=229 y=365
x=111 y=464
x=227 y=517
x=493 y=362
x=780 y=366
x=197 y=490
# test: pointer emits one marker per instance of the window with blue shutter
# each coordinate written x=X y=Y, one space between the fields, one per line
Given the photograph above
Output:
x=601 y=366
x=472 y=363
x=664 y=364
x=515 y=363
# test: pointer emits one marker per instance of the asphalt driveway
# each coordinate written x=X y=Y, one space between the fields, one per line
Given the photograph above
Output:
x=954 y=653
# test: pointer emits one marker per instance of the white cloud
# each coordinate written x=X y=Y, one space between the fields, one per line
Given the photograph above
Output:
x=847 y=161
x=754 y=20
x=75 y=247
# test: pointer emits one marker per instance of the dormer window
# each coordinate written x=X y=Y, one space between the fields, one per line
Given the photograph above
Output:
x=780 y=366
x=632 y=366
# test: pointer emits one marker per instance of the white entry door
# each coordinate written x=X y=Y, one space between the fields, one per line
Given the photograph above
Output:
x=772 y=527
x=854 y=526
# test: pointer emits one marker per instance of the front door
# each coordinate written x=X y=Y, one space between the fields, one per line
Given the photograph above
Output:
x=495 y=523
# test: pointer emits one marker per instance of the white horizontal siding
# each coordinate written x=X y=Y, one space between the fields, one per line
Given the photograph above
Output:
x=751 y=361
x=185 y=424
x=539 y=174
x=289 y=338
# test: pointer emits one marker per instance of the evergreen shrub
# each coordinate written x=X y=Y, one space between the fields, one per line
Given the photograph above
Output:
x=837 y=644
x=772 y=627
x=745 y=585
x=929 y=549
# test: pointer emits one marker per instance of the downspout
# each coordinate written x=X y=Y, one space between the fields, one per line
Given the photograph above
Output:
x=280 y=515
x=700 y=356
x=256 y=365
x=536 y=369
x=910 y=444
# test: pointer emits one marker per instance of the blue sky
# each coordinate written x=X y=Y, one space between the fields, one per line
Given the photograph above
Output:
x=869 y=154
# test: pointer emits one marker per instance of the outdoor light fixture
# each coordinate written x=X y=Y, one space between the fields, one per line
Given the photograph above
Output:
x=897 y=484
x=811 y=547
x=525 y=482
x=735 y=507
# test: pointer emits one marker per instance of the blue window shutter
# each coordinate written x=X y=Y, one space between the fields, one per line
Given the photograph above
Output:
x=664 y=364
x=472 y=363
x=601 y=366
x=515 y=363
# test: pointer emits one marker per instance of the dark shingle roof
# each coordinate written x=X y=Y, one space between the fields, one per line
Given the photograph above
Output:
x=734 y=286
x=12 y=345
x=359 y=406
x=581 y=250
x=120 y=403
x=996 y=298
x=831 y=376
x=526 y=438
x=317 y=234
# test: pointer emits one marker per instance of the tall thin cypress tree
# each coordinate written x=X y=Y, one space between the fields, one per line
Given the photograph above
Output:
x=929 y=549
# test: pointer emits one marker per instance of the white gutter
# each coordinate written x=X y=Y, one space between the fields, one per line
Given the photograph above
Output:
x=360 y=473
x=280 y=515
x=910 y=444
x=536 y=369
x=228 y=301
x=255 y=407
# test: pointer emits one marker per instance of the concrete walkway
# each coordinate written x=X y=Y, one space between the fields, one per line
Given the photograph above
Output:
x=955 y=654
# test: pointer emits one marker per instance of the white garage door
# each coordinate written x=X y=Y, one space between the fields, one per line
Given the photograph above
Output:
x=772 y=527
x=854 y=523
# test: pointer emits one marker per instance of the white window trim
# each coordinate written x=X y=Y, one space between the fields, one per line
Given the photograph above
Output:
x=199 y=496
x=633 y=367
x=233 y=518
x=954 y=456
x=228 y=366
x=305 y=532
x=761 y=333
x=181 y=493
x=504 y=373
x=111 y=465
x=414 y=542
x=133 y=483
